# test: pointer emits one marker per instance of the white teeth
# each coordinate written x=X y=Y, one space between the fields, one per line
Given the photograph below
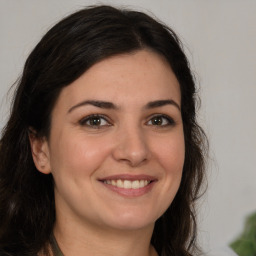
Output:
x=127 y=183
x=119 y=184
x=142 y=183
x=135 y=184
x=113 y=182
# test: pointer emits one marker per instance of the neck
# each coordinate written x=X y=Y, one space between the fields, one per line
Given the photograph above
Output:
x=98 y=241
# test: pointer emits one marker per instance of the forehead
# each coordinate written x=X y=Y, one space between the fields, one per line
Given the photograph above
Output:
x=133 y=78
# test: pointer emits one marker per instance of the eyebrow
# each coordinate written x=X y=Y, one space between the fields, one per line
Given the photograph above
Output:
x=110 y=105
x=161 y=103
x=96 y=103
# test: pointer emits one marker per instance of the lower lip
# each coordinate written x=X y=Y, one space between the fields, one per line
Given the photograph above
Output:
x=130 y=192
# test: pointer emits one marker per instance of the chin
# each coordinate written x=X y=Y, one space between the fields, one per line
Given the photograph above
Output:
x=133 y=220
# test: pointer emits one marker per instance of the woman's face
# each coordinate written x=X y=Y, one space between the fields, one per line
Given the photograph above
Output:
x=116 y=145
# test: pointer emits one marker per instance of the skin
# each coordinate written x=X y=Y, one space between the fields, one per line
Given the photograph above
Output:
x=132 y=136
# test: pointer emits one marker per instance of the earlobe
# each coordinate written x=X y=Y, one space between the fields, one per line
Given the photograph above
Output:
x=40 y=152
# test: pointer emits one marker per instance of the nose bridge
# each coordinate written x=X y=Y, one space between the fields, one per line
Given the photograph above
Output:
x=132 y=145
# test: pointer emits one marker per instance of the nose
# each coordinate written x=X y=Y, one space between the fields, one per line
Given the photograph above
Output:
x=131 y=147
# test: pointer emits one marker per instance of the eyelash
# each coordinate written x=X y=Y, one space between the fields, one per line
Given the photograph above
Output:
x=89 y=118
x=167 y=120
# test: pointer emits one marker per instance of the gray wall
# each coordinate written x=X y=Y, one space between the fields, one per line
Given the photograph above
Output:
x=220 y=40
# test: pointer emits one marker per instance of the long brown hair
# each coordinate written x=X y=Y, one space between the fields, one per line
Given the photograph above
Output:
x=27 y=209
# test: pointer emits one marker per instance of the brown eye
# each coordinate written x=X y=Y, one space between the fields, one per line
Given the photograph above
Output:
x=94 y=121
x=157 y=121
x=161 y=120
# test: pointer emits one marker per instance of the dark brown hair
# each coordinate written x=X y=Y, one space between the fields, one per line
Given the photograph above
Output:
x=27 y=209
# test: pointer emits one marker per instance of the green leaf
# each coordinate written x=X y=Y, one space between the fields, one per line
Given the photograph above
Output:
x=245 y=244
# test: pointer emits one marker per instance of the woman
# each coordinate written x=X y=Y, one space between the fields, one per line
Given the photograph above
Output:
x=102 y=154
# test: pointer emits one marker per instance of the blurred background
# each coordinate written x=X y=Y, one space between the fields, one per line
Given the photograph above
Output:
x=220 y=41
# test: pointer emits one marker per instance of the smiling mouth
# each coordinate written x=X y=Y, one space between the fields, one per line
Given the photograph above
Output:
x=128 y=184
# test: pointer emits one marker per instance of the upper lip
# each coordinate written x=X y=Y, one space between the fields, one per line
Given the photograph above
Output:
x=129 y=177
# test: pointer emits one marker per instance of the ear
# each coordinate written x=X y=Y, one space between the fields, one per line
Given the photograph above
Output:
x=40 y=152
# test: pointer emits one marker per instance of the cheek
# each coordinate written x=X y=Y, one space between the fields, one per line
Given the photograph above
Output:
x=171 y=155
x=77 y=156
